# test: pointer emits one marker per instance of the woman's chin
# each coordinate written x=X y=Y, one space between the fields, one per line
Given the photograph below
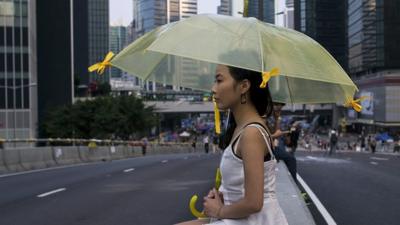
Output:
x=221 y=107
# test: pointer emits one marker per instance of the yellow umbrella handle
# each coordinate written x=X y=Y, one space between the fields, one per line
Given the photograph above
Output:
x=218 y=179
x=192 y=206
x=193 y=200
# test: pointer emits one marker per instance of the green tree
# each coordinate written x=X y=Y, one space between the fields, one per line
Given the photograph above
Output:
x=104 y=117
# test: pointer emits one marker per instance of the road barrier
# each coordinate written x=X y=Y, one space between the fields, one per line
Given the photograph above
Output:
x=59 y=152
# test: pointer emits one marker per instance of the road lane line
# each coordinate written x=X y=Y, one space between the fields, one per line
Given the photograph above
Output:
x=51 y=192
x=164 y=161
x=325 y=214
x=374 y=163
x=377 y=158
x=129 y=170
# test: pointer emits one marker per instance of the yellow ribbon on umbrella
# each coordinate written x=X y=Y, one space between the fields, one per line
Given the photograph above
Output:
x=101 y=66
x=354 y=103
x=217 y=118
x=267 y=75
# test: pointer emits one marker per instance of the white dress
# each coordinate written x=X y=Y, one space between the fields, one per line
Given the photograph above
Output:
x=232 y=188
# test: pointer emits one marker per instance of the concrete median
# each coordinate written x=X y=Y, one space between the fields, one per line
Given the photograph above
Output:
x=17 y=160
x=36 y=158
x=12 y=160
x=3 y=168
x=118 y=152
x=65 y=155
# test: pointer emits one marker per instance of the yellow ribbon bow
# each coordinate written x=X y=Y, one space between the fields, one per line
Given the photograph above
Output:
x=101 y=66
x=217 y=118
x=355 y=103
x=267 y=75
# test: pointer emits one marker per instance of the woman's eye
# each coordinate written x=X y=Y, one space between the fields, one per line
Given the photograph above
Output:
x=217 y=81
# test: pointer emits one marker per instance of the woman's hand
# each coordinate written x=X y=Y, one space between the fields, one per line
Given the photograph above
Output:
x=211 y=194
x=213 y=203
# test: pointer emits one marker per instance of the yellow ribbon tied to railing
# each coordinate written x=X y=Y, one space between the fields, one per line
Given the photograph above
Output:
x=217 y=118
x=101 y=66
x=266 y=76
x=355 y=103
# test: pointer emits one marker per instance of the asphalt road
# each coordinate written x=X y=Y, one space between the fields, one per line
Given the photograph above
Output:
x=145 y=190
x=355 y=188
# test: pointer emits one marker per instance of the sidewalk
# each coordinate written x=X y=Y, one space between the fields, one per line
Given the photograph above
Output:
x=290 y=199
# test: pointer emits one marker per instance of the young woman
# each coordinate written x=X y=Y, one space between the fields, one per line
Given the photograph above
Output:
x=247 y=194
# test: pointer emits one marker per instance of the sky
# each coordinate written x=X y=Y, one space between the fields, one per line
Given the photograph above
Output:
x=121 y=10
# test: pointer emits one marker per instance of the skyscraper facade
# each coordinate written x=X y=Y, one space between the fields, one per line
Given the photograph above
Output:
x=17 y=69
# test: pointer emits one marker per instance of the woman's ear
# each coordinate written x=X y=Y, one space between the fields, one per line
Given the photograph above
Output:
x=244 y=86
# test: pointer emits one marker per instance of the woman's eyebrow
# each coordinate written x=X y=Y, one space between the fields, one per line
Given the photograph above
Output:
x=218 y=75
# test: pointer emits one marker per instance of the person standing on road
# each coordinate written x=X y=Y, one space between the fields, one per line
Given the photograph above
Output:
x=333 y=139
x=145 y=142
x=373 y=145
x=294 y=138
x=279 y=141
x=215 y=143
x=194 y=140
x=206 y=144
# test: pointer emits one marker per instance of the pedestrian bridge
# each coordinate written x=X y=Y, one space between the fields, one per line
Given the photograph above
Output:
x=181 y=106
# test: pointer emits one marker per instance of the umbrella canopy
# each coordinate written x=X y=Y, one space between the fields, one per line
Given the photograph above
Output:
x=186 y=53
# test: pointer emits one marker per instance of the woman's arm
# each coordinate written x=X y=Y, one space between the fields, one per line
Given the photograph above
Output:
x=251 y=147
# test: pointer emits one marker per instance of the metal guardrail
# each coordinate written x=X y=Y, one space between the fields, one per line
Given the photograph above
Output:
x=88 y=142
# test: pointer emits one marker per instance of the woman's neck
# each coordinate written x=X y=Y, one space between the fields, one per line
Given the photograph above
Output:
x=244 y=114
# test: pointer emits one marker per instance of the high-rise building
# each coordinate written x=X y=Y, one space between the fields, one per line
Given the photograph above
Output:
x=150 y=14
x=268 y=12
x=90 y=39
x=188 y=8
x=225 y=8
x=118 y=40
x=373 y=28
x=98 y=27
x=70 y=37
x=325 y=22
x=18 y=84
x=46 y=47
x=289 y=14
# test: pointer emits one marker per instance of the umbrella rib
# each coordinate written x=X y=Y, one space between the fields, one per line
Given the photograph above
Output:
x=223 y=27
x=290 y=92
x=261 y=49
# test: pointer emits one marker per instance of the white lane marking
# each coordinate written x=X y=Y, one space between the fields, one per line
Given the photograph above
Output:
x=51 y=192
x=325 y=214
x=129 y=170
x=374 y=163
x=377 y=158
x=164 y=161
x=185 y=157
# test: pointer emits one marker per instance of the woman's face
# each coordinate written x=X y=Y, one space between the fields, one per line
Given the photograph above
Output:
x=225 y=90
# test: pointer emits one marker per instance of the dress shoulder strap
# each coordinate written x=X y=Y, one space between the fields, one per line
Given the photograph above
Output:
x=264 y=133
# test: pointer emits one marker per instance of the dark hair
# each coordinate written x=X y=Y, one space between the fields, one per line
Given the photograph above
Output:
x=260 y=97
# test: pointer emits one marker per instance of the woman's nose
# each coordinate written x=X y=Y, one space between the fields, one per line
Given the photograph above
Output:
x=213 y=90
